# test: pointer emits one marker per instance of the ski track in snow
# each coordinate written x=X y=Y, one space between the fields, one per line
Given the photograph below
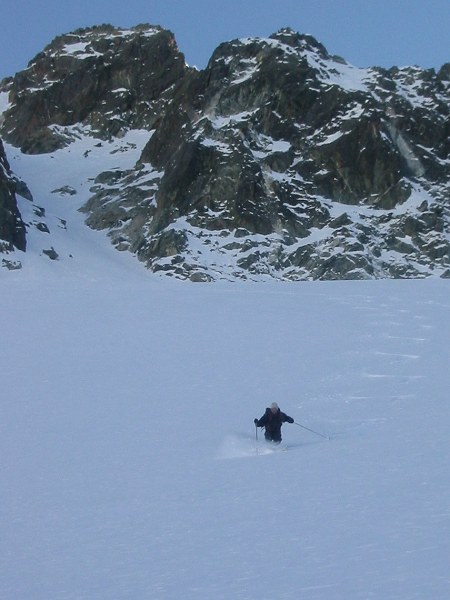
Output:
x=130 y=467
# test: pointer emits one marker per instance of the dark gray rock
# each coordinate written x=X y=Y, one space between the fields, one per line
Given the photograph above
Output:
x=12 y=228
x=276 y=132
x=51 y=253
x=102 y=77
x=11 y=265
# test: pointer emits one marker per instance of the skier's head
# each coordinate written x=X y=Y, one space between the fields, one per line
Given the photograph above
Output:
x=274 y=407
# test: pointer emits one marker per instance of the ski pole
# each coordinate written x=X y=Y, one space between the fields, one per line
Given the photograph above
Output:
x=312 y=430
x=256 y=429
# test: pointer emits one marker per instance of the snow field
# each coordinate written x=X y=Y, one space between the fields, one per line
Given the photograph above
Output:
x=130 y=467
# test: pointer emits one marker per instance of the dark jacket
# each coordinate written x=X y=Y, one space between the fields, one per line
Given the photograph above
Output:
x=272 y=423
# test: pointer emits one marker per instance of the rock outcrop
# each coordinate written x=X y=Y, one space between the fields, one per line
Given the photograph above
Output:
x=277 y=160
x=108 y=79
x=12 y=228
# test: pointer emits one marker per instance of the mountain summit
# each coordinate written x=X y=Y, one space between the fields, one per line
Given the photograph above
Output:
x=277 y=160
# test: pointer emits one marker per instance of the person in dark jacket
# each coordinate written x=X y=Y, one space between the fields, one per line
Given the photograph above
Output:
x=272 y=421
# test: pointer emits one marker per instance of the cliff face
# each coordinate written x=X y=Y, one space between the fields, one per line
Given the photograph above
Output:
x=108 y=79
x=12 y=228
x=278 y=160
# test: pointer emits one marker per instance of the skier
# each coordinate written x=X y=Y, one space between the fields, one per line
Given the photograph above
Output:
x=272 y=420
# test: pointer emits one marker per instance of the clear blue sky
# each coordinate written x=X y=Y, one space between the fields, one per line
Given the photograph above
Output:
x=364 y=32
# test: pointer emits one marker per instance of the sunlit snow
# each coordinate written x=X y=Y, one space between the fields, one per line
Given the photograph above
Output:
x=130 y=465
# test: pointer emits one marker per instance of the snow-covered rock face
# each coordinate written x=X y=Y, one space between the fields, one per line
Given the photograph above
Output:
x=276 y=161
x=110 y=79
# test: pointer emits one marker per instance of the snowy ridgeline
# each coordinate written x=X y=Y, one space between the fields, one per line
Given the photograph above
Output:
x=277 y=162
x=130 y=467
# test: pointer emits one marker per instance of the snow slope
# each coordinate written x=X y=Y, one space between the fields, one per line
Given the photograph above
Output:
x=130 y=468
x=60 y=184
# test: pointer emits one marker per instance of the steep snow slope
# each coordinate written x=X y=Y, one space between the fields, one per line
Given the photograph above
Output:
x=60 y=184
x=129 y=462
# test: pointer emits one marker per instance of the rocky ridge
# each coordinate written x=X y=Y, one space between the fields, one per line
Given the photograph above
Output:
x=277 y=160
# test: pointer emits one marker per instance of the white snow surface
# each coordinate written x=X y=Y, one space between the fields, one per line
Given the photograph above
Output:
x=49 y=177
x=130 y=466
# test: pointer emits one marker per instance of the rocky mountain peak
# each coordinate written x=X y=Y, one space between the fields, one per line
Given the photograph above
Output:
x=103 y=77
x=276 y=160
x=299 y=42
x=444 y=74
